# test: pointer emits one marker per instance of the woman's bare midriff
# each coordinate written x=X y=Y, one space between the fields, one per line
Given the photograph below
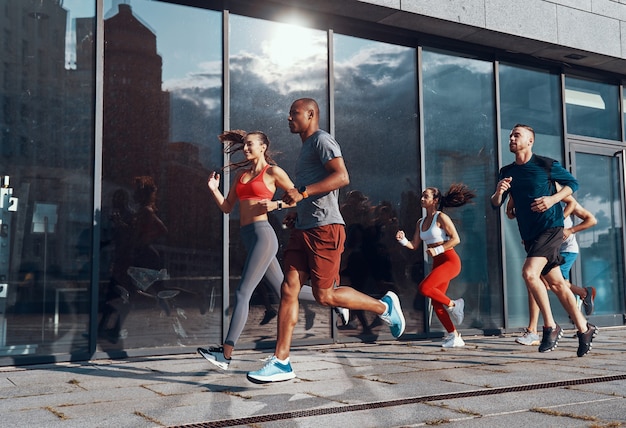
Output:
x=250 y=212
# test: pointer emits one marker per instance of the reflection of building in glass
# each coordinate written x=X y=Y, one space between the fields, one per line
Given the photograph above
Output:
x=136 y=110
x=32 y=52
x=46 y=112
x=136 y=136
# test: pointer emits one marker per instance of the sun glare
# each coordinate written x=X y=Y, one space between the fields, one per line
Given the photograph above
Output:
x=290 y=44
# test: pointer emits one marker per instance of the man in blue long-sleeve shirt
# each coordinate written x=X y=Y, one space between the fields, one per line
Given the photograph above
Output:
x=530 y=181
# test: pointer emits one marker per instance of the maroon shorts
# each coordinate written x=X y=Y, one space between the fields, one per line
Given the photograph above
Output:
x=317 y=252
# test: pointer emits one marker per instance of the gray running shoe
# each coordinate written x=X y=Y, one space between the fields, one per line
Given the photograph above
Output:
x=457 y=312
x=528 y=338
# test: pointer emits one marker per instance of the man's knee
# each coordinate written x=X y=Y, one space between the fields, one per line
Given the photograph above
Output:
x=290 y=291
x=559 y=287
x=325 y=297
x=530 y=276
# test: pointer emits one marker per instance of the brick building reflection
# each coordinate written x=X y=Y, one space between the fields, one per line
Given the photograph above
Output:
x=136 y=141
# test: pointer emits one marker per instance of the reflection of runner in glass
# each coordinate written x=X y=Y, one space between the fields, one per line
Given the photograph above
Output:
x=440 y=236
x=569 y=252
x=254 y=187
x=148 y=226
x=115 y=303
x=147 y=265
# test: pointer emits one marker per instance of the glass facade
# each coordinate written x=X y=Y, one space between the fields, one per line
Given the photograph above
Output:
x=601 y=248
x=161 y=251
x=460 y=145
x=47 y=125
x=376 y=123
x=531 y=97
x=592 y=108
x=263 y=84
x=111 y=244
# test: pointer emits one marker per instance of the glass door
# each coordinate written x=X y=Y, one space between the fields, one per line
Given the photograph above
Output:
x=600 y=173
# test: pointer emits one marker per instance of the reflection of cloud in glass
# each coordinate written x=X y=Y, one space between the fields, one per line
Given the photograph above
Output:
x=379 y=64
x=588 y=176
x=599 y=209
x=208 y=75
x=437 y=61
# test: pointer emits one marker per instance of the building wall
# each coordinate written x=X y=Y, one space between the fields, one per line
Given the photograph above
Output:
x=595 y=29
x=417 y=93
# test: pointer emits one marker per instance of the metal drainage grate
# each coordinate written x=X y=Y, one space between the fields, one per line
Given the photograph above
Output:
x=391 y=403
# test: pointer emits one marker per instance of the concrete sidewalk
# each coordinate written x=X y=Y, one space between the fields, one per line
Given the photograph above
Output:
x=491 y=382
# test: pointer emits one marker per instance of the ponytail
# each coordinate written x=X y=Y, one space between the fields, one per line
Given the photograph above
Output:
x=458 y=195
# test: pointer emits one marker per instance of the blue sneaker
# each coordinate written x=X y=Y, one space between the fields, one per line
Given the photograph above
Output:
x=393 y=317
x=273 y=371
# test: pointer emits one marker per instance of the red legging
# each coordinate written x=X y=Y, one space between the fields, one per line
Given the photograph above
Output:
x=445 y=267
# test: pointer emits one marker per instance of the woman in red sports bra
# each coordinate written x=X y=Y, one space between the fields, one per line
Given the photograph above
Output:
x=255 y=183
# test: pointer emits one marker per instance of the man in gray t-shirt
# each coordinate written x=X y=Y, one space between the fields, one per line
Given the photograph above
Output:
x=316 y=242
x=322 y=209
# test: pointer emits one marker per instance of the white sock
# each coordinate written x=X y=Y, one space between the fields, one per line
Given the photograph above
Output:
x=386 y=312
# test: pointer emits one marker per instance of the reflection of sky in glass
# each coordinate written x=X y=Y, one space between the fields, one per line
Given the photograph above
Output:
x=598 y=193
x=375 y=90
x=282 y=56
x=182 y=65
x=75 y=9
x=271 y=64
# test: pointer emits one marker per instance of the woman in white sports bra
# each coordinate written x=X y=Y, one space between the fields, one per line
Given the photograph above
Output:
x=439 y=235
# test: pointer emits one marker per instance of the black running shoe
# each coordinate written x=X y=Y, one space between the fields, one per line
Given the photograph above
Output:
x=550 y=338
x=270 y=314
x=588 y=300
x=584 y=339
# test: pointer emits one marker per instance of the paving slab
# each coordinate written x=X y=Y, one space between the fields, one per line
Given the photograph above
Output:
x=491 y=382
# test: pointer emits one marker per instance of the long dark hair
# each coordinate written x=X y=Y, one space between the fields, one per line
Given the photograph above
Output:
x=458 y=195
x=234 y=141
x=145 y=191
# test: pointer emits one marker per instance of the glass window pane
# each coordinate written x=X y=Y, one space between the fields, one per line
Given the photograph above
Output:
x=271 y=65
x=624 y=113
x=601 y=249
x=530 y=97
x=47 y=128
x=162 y=234
x=377 y=127
x=460 y=146
x=592 y=108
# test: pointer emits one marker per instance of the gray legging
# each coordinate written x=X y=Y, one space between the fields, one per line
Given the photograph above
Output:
x=261 y=243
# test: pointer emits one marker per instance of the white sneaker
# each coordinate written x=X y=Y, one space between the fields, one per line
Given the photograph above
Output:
x=453 y=341
x=343 y=314
x=457 y=312
x=528 y=338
